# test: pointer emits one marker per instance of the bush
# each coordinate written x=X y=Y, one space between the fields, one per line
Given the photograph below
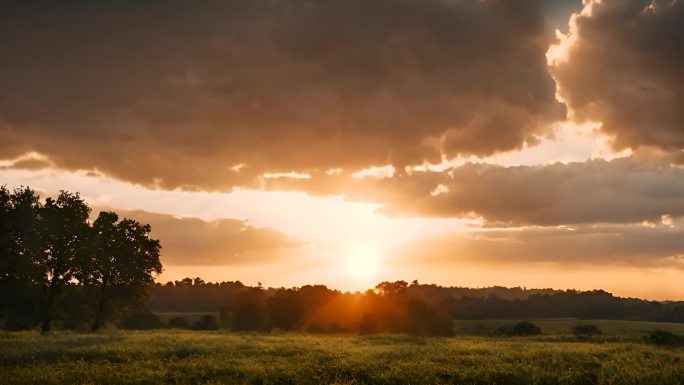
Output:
x=208 y=322
x=661 y=337
x=584 y=330
x=141 y=320
x=520 y=329
x=179 y=323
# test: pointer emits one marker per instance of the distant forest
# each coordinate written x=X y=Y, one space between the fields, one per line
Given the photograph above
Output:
x=60 y=268
x=393 y=306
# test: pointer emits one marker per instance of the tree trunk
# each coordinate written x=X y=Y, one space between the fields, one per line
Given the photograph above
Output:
x=100 y=306
x=47 y=311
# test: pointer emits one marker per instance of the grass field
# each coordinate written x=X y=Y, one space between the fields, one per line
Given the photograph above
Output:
x=191 y=357
x=612 y=330
x=191 y=317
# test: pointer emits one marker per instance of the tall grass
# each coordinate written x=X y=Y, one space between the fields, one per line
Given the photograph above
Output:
x=190 y=357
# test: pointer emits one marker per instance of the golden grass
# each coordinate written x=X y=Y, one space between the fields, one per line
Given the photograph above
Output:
x=192 y=357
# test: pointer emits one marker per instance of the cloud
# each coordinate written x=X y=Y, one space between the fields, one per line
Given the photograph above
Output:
x=180 y=93
x=27 y=163
x=621 y=65
x=193 y=241
x=617 y=246
x=597 y=191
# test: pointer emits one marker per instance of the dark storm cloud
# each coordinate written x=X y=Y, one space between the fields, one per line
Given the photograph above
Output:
x=193 y=241
x=624 y=70
x=625 y=246
x=597 y=191
x=177 y=93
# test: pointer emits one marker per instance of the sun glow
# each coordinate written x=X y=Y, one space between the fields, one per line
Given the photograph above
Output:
x=363 y=264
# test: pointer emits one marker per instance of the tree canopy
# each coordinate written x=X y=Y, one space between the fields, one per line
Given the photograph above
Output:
x=47 y=247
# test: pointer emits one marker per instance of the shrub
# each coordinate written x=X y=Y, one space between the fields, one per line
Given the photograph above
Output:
x=179 y=323
x=141 y=320
x=661 y=337
x=585 y=330
x=520 y=329
x=207 y=322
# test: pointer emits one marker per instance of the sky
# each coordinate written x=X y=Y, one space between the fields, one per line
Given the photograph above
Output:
x=346 y=142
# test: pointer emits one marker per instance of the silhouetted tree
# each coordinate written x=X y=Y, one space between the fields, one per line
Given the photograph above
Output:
x=285 y=309
x=123 y=255
x=51 y=256
x=19 y=247
x=426 y=320
x=391 y=288
x=18 y=215
x=63 y=235
x=675 y=315
x=247 y=310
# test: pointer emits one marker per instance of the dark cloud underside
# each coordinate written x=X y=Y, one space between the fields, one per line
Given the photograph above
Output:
x=624 y=70
x=176 y=93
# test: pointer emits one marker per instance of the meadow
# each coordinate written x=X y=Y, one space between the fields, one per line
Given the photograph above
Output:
x=193 y=357
x=623 y=331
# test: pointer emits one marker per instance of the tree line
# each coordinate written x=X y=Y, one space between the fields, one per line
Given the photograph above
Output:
x=392 y=307
x=310 y=308
x=58 y=265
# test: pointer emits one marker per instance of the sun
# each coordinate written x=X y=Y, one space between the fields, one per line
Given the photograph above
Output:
x=363 y=264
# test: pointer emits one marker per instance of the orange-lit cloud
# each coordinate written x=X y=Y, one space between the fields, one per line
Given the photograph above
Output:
x=640 y=246
x=193 y=241
x=623 y=190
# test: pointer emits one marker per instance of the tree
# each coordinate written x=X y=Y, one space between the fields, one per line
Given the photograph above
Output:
x=122 y=255
x=48 y=248
x=6 y=249
x=19 y=241
x=285 y=309
x=63 y=234
x=391 y=288
x=426 y=320
x=18 y=249
x=247 y=311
